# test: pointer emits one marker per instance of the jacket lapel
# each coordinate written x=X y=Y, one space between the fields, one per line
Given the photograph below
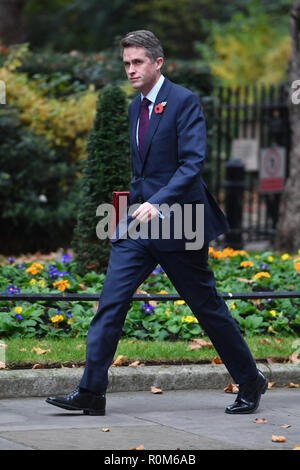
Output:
x=136 y=106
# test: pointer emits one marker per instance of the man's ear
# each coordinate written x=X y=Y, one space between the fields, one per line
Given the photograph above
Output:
x=159 y=62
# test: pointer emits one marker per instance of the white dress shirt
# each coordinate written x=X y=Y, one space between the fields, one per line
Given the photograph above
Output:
x=151 y=97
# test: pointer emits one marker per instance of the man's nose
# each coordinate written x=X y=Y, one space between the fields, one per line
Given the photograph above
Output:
x=131 y=69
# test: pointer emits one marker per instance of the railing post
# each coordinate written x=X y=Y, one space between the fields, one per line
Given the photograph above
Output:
x=234 y=194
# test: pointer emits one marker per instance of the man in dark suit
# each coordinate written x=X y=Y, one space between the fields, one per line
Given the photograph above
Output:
x=168 y=142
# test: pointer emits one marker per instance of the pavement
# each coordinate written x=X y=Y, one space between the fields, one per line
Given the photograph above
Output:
x=187 y=416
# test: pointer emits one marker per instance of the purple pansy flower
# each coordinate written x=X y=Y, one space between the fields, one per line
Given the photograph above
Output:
x=147 y=308
x=65 y=258
x=12 y=290
x=263 y=266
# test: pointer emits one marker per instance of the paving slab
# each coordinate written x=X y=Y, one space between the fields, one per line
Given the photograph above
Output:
x=176 y=419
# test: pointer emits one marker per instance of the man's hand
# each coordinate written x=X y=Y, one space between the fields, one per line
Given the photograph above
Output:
x=145 y=212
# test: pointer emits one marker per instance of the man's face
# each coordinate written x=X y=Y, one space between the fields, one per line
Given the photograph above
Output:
x=141 y=72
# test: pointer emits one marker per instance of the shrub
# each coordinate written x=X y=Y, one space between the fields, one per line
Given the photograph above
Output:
x=106 y=169
x=38 y=196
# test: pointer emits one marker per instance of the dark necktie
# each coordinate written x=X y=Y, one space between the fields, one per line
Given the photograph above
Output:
x=144 y=121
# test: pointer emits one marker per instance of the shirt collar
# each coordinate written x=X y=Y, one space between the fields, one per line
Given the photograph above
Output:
x=154 y=91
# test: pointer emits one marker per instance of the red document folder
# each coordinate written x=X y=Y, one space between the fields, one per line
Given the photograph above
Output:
x=119 y=206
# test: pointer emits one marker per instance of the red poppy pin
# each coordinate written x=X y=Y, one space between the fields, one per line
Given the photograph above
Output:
x=158 y=109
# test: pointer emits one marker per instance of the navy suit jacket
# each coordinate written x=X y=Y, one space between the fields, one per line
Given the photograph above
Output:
x=172 y=162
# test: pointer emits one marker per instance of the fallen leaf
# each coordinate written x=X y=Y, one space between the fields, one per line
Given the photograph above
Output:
x=260 y=420
x=82 y=285
x=296 y=448
x=140 y=447
x=203 y=342
x=23 y=349
x=120 y=359
x=285 y=426
x=2 y=365
x=231 y=388
x=278 y=438
x=95 y=308
x=3 y=345
x=270 y=385
x=92 y=266
x=193 y=345
x=292 y=385
x=39 y=351
x=271 y=360
x=198 y=343
x=265 y=341
x=217 y=360
x=135 y=364
x=140 y=291
x=105 y=429
x=294 y=358
x=277 y=340
x=156 y=390
x=38 y=366
x=248 y=281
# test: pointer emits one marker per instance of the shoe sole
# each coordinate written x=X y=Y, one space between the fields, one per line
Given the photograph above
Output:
x=86 y=411
x=254 y=409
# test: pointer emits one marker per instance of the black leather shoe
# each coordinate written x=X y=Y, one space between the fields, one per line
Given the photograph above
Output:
x=249 y=395
x=88 y=402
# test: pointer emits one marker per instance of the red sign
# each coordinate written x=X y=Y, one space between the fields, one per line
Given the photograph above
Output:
x=272 y=170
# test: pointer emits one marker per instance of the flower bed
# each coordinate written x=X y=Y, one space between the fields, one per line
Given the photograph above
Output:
x=235 y=271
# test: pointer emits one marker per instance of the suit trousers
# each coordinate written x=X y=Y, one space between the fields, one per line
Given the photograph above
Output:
x=130 y=264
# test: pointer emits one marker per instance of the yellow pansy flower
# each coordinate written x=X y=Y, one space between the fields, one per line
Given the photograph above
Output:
x=285 y=256
x=273 y=313
x=189 y=319
x=246 y=264
x=57 y=318
x=261 y=274
x=18 y=309
x=270 y=259
x=179 y=302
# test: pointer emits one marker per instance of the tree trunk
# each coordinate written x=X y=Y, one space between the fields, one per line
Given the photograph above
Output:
x=288 y=227
x=11 y=21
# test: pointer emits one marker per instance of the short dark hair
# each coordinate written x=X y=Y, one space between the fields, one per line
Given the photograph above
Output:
x=146 y=39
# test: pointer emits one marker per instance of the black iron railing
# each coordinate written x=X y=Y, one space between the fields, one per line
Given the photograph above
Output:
x=158 y=297
x=248 y=112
